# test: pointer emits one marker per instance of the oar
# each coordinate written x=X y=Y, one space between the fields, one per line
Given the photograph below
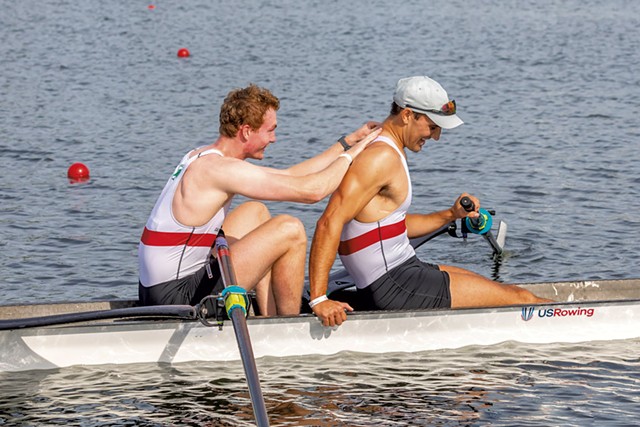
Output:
x=236 y=303
x=450 y=228
x=174 y=311
x=482 y=225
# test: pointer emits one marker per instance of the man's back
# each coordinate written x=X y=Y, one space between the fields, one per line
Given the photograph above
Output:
x=376 y=239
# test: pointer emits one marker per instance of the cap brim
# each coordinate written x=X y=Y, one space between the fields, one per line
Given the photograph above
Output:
x=445 y=122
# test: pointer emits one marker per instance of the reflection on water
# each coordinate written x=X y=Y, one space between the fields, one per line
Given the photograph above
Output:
x=507 y=384
x=497 y=263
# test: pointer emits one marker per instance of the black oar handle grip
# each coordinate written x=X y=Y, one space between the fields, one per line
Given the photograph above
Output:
x=467 y=204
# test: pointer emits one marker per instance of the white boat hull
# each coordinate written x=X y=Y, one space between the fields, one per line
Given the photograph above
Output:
x=168 y=341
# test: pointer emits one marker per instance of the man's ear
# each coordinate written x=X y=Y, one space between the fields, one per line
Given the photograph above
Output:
x=244 y=132
x=405 y=115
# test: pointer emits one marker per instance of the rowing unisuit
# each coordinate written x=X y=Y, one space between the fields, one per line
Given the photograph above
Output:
x=169 y=250
x=369 y=250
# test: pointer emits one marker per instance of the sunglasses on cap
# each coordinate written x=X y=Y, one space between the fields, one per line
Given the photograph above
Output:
x=448 y=109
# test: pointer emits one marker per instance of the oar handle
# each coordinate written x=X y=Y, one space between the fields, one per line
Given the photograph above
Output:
x=467 y=204
x=481 y=224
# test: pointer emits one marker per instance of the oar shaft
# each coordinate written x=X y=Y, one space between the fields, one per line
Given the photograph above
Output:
x=174 y=311
x=236 y=313
x=250 y=369
x=497 y=250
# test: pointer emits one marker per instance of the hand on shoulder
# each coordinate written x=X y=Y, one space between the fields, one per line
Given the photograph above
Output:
x=363 y=142
x=362 y=132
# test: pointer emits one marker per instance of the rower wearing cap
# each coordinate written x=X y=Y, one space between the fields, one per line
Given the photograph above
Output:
x=367 y=223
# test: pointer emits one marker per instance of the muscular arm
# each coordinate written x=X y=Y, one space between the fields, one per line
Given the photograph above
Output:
x=421 y=224
x=256 y=182
x=367 y=176
x=229 y=176
x=211 y=181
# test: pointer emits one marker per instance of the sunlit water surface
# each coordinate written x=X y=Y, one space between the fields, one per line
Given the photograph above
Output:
x=508 y=384
x=549 y=95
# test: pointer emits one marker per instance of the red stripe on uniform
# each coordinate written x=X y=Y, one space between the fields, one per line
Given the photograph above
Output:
x=360 y=242
x=161 y=238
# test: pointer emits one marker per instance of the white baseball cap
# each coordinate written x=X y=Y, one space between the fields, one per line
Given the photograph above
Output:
x=424 y=95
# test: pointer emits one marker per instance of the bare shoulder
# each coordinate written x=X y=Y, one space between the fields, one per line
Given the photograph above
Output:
x=371 y=170
x=233 y=176
x=378 y=157
x=214 y=165
x=210 y=172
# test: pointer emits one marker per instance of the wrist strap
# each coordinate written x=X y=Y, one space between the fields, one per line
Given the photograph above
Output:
x=343 y=141
x=317 y=301
x=347 y=156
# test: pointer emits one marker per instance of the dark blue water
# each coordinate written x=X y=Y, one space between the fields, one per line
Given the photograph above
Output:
x=549 y=92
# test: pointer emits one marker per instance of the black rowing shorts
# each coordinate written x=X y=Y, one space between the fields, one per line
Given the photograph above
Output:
x=188 y=290
x=411 y=285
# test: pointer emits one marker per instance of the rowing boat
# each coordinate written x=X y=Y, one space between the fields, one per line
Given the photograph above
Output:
x=111 y=332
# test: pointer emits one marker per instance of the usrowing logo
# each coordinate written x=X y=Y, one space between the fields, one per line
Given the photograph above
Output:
x=528 y=312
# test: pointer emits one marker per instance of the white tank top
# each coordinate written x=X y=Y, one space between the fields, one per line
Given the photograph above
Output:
x=169 y=250
x=369 y=250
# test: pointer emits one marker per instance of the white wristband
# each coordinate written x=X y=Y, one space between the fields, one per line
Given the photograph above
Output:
x=317 y=301
x=346 y=156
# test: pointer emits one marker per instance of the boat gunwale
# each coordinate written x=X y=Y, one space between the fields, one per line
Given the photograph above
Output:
x=64 y=307
x=369 y=315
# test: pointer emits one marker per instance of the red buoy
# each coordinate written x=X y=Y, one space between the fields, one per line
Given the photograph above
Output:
x=78 y=172
x=183 y=53
x=151 y=7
